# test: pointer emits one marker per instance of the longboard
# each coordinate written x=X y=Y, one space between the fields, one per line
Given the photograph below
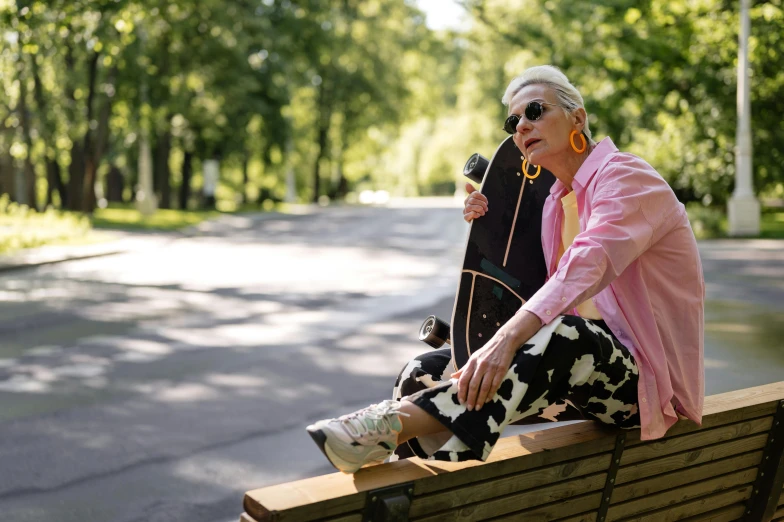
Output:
x=504 y=263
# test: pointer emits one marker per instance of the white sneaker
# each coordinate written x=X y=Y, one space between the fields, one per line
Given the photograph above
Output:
x=363 y=437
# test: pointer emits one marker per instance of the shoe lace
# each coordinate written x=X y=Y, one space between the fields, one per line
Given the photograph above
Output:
x=381 y=415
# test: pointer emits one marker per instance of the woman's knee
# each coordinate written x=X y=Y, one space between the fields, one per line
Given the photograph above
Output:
x=423 y=371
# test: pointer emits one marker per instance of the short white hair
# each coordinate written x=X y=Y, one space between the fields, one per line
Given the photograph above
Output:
x=569 y=98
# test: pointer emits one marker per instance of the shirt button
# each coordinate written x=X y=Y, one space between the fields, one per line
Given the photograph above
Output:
x=644 y=399
x=548 y=312
x=563 y=299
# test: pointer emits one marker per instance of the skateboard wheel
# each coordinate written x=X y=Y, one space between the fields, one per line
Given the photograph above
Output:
x=475 y=168
x=434 y=332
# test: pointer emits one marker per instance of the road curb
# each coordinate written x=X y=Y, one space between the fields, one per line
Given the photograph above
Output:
x=54 y=254
x=12 y=266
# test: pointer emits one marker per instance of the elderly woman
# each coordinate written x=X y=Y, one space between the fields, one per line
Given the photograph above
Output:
x=616 y=332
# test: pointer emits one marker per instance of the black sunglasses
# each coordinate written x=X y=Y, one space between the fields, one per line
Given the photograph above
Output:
x=533 y=111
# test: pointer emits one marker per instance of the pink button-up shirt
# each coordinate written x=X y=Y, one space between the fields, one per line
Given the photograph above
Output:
x=637 y=259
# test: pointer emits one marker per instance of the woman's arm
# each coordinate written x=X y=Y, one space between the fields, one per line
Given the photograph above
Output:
x=628 y=210
x=482 y=375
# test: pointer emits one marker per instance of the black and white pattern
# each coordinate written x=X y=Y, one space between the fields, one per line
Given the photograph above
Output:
x=574 y=365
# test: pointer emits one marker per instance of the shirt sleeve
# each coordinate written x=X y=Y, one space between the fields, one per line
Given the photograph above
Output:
x=618 y=231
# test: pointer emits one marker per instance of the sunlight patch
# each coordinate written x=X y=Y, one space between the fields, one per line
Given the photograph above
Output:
x=581 y=370
x=446 y=405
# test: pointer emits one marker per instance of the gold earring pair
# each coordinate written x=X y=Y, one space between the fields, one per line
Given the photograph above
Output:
x=574 y=148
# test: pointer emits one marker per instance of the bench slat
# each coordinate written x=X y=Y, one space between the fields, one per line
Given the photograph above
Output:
x=702 y=505
x=306 y=500
x=684 y=476
x=712 y=420
x=556 y=510
x=427 y=504
x=681 y=494
x=585 y=517
x=355 y=517
x=538 y=448
x=668 y=446
x=514 y=502
x=725 y=408
x=726 y=514
x=738 y=399
x=690 y=458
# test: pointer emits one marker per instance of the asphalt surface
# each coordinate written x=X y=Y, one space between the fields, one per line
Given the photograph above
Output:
x=162 y=383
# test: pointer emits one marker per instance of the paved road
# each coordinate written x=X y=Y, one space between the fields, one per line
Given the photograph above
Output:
x=159 y=385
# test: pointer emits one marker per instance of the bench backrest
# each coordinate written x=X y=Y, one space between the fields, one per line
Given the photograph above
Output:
x=730 y=468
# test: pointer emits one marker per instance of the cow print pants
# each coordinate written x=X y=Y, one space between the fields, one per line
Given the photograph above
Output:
x=573 y=368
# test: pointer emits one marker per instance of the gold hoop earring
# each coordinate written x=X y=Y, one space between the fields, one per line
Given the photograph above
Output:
x=525 y=170
x=574 y=147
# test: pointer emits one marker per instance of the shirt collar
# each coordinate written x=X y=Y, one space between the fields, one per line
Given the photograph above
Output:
x=589 y=167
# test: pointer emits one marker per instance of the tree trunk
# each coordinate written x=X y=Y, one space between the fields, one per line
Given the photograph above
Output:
x=78 y=185
x=341 y=187
x=185 y=187
x=159 y=98
x=100 y=141
x=161 y=171
x=93 y=141
x=90 y=171
x=323 y=132
x=325 y=115
x=76 y=167
x=115 y=185
x=30 y=194
x=54 y=181
x=7 y=176
x=245 y=178
x=76 y=177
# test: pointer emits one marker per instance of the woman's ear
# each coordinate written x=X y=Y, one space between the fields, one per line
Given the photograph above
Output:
x=579 y=116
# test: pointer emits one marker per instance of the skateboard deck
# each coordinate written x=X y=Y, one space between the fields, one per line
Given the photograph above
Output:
x=504 y=263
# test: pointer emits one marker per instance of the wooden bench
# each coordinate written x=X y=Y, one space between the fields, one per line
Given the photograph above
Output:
x=730 y=468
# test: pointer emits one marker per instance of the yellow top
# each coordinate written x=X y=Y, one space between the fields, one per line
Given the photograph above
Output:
x=569 y=229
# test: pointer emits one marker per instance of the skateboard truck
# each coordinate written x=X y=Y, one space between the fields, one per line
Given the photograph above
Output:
x=475 y=168
x=434 y=332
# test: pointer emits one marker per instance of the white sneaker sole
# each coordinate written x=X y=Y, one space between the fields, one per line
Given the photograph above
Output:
x=320 y=438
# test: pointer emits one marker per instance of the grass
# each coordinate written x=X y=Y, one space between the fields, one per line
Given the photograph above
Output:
x=711 y=222
x=22 y=228
x=126 y=217
x=772 y=224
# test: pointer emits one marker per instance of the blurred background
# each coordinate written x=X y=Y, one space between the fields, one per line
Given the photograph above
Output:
x=223 y=220
x=308 y=101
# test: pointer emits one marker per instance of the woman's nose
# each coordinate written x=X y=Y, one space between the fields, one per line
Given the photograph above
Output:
x=523 y=125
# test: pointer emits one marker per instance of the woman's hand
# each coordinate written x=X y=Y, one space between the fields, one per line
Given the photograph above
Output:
x=479 y=379
x=481 y=376
x=475 y=204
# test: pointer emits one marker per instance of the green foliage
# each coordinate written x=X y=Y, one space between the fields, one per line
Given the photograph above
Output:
x=344 y=95
x=710 y=222
x=128 y=218
x=21 y=227
x=707 y=222
x=658 y=76
x=772 y=223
